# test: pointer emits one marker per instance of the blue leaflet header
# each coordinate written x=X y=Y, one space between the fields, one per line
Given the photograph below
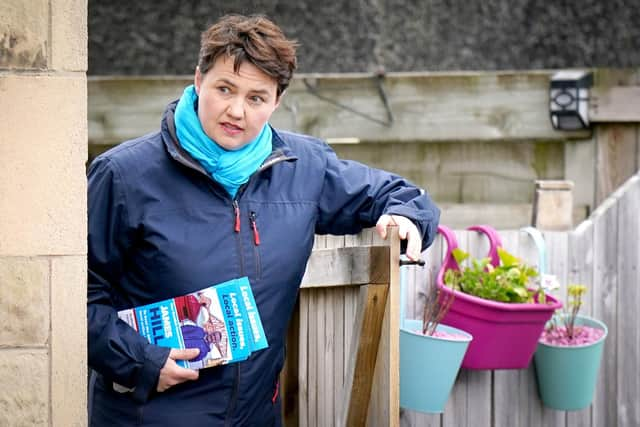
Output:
x=257 y=336
x=158 y=322
x=235 y=320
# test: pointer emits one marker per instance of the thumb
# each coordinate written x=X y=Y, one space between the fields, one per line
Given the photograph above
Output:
x=184 y=354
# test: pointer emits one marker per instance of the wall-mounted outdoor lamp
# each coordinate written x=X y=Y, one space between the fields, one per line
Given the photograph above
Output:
x=569 y=99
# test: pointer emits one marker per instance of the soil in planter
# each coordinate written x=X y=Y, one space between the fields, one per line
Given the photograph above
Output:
x=582 y=335
x=445 y=335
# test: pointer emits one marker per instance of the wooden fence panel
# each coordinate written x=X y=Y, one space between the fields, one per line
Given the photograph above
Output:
x=628 y=339
x=602 y=253
x=557 y=246
x=605 y=284
x=455 y=411
x=580 y=271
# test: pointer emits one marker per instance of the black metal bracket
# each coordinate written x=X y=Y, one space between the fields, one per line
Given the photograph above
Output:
x=419 y=262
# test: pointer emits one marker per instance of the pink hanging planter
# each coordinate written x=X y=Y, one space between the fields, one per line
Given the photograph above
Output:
x=505 y=335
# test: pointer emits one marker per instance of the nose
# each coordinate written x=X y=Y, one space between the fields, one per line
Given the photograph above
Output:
x=235 y=109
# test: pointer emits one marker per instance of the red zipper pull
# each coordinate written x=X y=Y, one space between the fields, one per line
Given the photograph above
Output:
x=236 y=210
x=254 y=227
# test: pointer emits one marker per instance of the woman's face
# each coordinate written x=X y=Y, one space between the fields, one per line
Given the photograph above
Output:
x=234 y=107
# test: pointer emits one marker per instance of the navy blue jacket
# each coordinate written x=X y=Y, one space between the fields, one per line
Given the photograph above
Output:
x=160 y=227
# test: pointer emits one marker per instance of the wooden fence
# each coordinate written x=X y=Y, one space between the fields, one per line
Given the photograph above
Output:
x=603 y=253
x=342 y=366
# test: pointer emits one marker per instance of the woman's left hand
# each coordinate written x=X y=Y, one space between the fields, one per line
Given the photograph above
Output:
x=407 y=230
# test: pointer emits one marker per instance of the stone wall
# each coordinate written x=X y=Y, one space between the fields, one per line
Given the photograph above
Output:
x=43 y=134
x=151 y=37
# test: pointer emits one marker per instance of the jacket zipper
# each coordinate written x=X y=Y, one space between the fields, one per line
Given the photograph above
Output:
x=276 y=157
x=236 y=383
x=256 y=242
x=254 y=228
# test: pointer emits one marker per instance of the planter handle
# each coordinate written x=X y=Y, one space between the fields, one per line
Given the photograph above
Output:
x=538 y=239
x=449 y=262
x=494 y=241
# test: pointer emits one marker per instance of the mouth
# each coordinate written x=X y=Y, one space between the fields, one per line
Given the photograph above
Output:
x=230 y=128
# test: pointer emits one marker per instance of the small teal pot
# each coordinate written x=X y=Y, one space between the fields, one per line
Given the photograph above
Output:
x=567 y=376
x=428 y=366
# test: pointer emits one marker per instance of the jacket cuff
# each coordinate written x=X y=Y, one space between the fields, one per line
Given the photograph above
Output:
x=154 y=359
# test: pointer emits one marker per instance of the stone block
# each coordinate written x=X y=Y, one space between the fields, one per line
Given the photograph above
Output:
x=69 y=35
x=24 y=388
x=24 y=301
x=43 y=152
x=69 y=341
x=24 y=30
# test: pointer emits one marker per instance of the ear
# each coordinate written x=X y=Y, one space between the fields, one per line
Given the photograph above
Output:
x=279 y=98
x=197 y=80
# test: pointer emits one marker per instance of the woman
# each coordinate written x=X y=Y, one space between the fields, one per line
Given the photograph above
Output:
x=215 y=195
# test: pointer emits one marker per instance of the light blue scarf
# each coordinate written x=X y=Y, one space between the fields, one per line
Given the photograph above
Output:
x=229 y=168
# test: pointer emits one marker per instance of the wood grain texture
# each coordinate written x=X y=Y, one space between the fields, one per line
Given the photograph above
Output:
x=365 y=340
x=445 y=107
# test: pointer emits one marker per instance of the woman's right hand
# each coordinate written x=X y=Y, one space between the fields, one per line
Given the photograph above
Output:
x=172 y=374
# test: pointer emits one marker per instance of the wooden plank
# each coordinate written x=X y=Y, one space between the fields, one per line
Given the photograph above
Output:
x=628 y=339
x=326 y=366
x=289 y=388
x=392 y=390
x=529 y=405
x=616 y=153
x=378 y=414
x=323 y=360
x=337 y=308
x=303 y=353
x=638 y=147
x=347 y=266
x=384 y=408
x=313 y=357
x=580 y=167
x=366 y=337
x=455 y=411
x=557 y=246
x=605 y=283
x=615 y=104
x=439 y=106
x=580 y=271
x=419 y=419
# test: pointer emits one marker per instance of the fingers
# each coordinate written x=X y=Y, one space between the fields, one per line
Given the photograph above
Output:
x=185 y=354
x=381 y=226
x=407 y=230
x=172 y=374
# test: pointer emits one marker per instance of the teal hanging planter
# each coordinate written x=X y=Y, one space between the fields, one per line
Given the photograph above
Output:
x=429 y=366
x=567 y=375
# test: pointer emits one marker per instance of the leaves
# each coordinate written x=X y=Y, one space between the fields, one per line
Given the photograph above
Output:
x=508 y=282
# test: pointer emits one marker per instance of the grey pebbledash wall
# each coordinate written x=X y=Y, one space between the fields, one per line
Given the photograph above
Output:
x=151 y=37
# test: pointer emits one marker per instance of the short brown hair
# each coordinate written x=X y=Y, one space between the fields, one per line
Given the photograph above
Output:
x=255 y=39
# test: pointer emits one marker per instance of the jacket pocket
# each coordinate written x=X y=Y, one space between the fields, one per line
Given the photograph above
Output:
x=253 y=221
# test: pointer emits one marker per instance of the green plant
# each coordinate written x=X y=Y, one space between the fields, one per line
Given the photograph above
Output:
x=567 y=317
x=512 y=281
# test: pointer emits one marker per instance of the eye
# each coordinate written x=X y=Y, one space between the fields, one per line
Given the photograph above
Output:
x=224 y=89
x=255 y=99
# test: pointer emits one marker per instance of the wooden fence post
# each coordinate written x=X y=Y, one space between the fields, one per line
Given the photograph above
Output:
x=553 y=205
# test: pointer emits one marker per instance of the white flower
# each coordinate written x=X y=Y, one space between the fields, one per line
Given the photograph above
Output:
x=549 y=282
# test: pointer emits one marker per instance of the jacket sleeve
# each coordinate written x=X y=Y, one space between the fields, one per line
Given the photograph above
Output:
x=115 y=350
x=354 y=196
